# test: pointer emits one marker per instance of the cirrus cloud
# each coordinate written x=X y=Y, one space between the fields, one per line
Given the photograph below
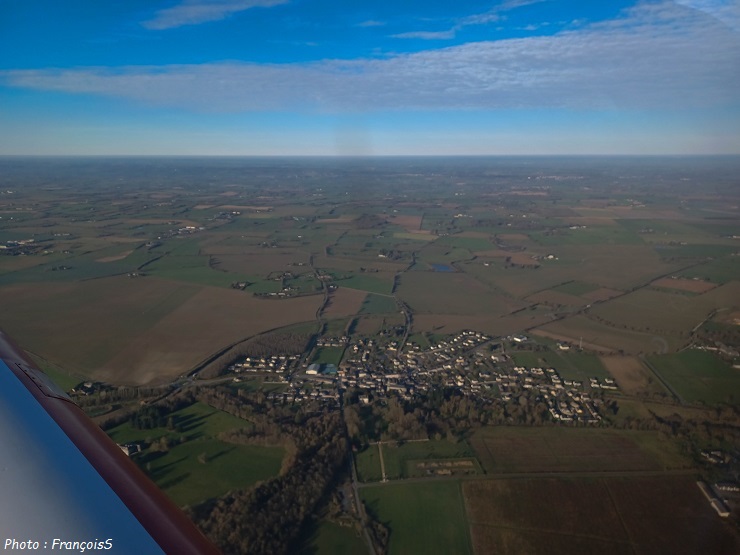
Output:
x=193 y=12
x=657 y=55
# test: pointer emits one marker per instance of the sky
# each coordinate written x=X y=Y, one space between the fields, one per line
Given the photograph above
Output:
x=380 y=77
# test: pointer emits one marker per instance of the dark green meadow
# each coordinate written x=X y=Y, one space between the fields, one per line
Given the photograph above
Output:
x=699 y=376
x=401 y=458
x=423 y=518
x=197 y=465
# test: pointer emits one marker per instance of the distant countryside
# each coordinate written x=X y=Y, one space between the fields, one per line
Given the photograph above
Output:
x=398 y=355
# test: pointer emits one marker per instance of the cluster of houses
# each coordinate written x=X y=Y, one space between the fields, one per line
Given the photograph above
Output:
x=280 y=364
x=565 y=399
x=332 y=341
x=181 y=232
x=377 y=369
x=21 y=246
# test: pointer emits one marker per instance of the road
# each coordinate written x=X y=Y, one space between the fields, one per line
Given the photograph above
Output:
x=382 y=462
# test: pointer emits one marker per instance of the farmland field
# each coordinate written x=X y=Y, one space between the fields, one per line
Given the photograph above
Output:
x=377 y=283
x=614 y=515
x=201 y=466
x=452 y=323
x=570 y=365
x=600 y=337
x=344 y=302
x=690 y=285
x=368 y=325
x=631 y=375
x=378 y=304
x=699 y=376
x=368 y=464
x=659 y=312
x=188 y=481
x=423 y=518
x=328 y=355
x=261 y=263
x=722 y=270
x=576 y=288
x=402 y=459
x=552 y=296
x=463 y=294
x=157 y=332
x=328 y=538
x=524 y=450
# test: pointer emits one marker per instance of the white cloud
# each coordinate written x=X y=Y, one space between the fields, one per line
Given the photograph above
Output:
x=659 y=55
x=491 y=16
x=371 y=23
x=193 y=12
x=427 y=35
x=726 y=11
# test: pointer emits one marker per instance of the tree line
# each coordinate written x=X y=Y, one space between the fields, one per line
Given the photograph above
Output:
x=269 y=517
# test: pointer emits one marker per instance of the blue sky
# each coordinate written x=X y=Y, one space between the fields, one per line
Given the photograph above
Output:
x=255 y=77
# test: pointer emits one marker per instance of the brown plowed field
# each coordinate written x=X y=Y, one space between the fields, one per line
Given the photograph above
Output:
x=642 y=515
x=409 y=223
x=681 y=284
x=630 y=373
x=136 y=331
x=601 y=294
x=344 y=302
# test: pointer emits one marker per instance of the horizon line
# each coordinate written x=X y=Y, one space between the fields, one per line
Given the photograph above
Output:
x=370 y=156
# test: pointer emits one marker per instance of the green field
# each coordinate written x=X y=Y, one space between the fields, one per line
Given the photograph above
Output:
x=198 y=466
x=372 y=284
x=576 y=365
x=419 y=339
x=378 y=304
x=328 y=538
x=336 y=326
x=86 y=265
x=698 y=376
x=328 y=355
x=424 y=518
x=368 y=464
x=527 y=359
x=188 y=481
x=198 y=421
x=402 y=459
x=701 y=252
x=414 y=236
x=470 y=243
x=576 y=288
x=609 y=235
x=463 y=294
x=670 y=230
x=722 y=270
x=258 y=384
x=191 y=268
x=569 y=365
x=659 y=311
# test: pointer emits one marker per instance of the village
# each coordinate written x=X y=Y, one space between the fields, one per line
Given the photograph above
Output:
x=469 y=362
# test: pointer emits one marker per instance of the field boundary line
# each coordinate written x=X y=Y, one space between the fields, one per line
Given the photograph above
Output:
x=662 y=380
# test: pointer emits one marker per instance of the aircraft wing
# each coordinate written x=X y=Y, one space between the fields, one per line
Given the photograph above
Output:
x=63 y=480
